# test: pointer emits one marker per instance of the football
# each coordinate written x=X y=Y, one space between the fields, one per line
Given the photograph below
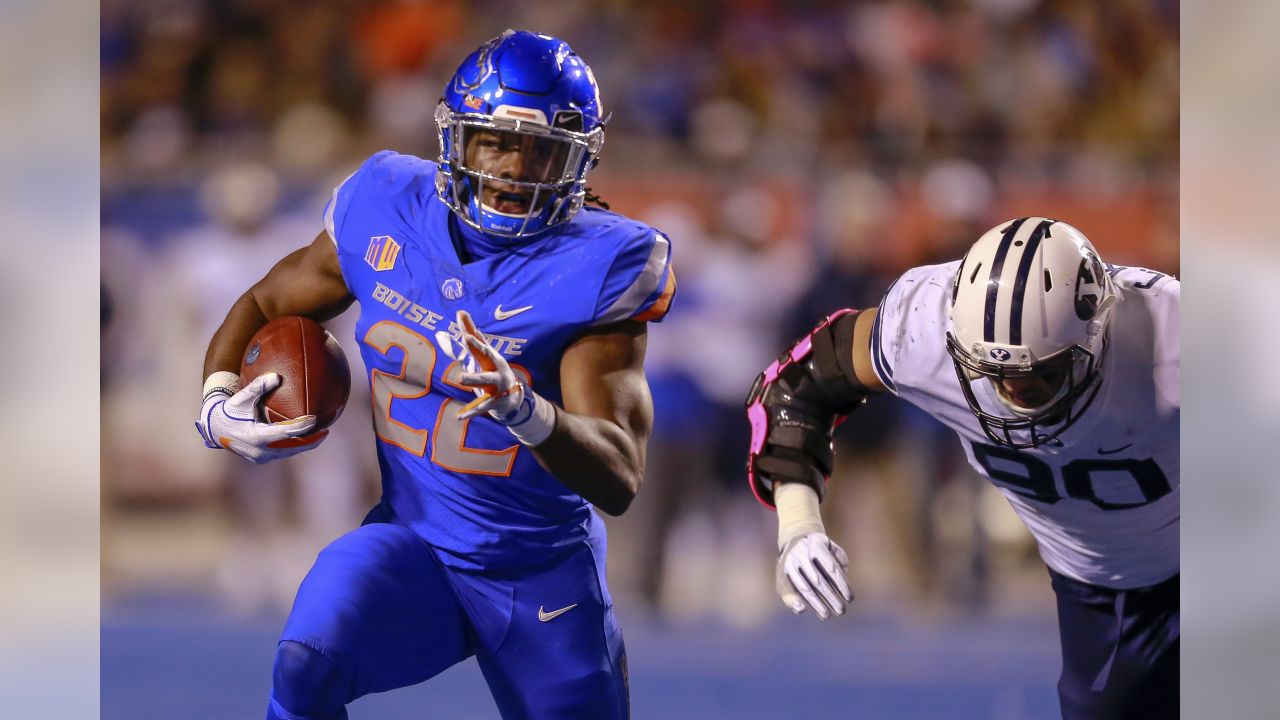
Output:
x=316 y=376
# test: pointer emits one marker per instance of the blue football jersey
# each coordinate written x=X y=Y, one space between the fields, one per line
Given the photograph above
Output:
x=468 y=487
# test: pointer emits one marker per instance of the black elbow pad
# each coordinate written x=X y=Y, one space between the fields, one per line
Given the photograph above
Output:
x=795 y=404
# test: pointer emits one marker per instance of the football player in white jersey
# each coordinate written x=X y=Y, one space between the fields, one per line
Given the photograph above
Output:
x=1060 y=375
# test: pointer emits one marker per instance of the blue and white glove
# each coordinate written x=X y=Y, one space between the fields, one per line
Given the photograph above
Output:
x=811 y=567
x=229 y=419
x=499 y=392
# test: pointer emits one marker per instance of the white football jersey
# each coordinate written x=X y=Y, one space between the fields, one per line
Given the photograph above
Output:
x=1102 y=498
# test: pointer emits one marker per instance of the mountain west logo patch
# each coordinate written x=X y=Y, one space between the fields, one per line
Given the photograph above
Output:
x=382 y=252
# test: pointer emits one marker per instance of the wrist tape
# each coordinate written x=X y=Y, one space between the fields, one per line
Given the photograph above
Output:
x=221 y=381
x=798 y=511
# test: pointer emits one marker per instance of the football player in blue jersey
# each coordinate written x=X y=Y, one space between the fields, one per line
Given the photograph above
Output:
x=503 y=328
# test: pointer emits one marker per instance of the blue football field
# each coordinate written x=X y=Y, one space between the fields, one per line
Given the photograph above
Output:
x=180 y=657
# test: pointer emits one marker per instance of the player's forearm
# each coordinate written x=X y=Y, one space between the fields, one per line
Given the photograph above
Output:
x=596 y=459
x=308 y=281
x=244 y=319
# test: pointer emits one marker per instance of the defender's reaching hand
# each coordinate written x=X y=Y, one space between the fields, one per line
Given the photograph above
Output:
x=811 y=573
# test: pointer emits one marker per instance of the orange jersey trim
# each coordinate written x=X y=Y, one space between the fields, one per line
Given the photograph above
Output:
x=663 y=303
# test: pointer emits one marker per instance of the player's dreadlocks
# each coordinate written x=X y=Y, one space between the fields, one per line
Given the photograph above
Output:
x=591 y=197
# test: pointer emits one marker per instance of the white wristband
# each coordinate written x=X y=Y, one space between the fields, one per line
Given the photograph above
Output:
x=798 y=512
x=221 y=380
x=537 y=420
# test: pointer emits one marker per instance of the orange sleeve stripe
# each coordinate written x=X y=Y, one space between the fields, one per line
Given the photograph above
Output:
x=663 y=303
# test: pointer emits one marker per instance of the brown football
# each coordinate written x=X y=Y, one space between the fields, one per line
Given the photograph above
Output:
x=317 y=378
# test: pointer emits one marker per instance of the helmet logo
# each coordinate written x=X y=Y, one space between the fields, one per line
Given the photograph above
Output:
x=595 y=91
x=568 y=119
x=473 y=102
x=1000 y=354
x=1089 y=279
x=470 y=77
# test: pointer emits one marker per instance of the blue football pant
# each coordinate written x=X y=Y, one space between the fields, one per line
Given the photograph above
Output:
x=1119 y=650
x=378 y=611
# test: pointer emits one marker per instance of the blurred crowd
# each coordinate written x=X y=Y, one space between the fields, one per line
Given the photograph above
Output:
x=1022 y=88
x=799 y=154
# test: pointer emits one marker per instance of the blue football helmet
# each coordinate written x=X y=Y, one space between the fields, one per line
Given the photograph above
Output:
x=520 y=128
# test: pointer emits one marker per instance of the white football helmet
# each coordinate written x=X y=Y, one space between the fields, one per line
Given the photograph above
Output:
x=1029 y=311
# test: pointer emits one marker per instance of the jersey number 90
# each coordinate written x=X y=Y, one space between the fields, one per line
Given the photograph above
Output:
x=449 y=436
x=1031 y=477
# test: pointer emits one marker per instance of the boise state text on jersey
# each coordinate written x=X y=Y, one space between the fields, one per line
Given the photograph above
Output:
x=467 y=487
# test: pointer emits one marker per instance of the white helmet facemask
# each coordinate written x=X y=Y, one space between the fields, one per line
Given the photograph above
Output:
x=1057 y=378
x=1029 y=312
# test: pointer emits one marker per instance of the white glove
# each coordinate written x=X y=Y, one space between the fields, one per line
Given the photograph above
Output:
x=811 y=568
x=231 y=421
x=811 y=572
x=499 y=392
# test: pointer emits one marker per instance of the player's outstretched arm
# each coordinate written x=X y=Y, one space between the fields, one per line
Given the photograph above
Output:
x=307 y=282
x=793 y=407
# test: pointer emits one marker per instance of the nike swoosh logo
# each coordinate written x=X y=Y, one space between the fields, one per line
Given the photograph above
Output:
x=545 y=616
x=500 y=314
x=1113 y=452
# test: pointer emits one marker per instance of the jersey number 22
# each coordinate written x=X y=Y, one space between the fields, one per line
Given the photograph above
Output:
x=449 y=436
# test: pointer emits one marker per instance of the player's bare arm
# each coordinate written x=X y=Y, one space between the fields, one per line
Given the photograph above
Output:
x=861 y=352
x=306 y=282
x=594 y=444
x=598 y=446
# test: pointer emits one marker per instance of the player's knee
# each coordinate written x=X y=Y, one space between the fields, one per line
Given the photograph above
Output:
x=600 y=694
x=306 y=683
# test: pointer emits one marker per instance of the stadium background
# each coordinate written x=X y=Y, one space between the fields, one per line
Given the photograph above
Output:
x=799 y=155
